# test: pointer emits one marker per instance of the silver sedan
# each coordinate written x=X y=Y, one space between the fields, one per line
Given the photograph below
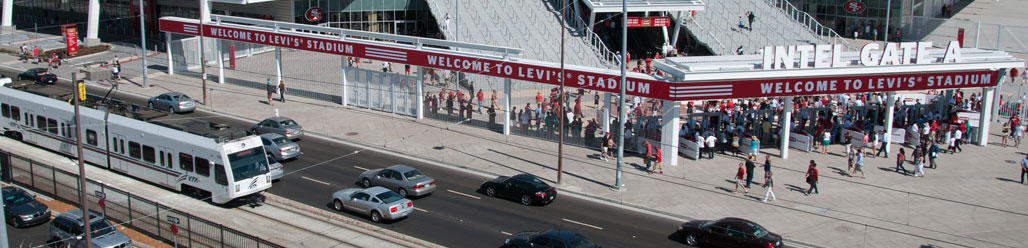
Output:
x=174 y=102
x=405 y=180
x=377 y=202
x=280 y=146
x=279 y=125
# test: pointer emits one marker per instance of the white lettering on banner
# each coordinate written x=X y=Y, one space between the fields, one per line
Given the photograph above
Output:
x=895 y=83
x=871 y=54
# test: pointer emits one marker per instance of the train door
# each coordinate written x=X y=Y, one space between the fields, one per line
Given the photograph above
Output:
x=29 y=120
x=167 y=162
x=119 y=152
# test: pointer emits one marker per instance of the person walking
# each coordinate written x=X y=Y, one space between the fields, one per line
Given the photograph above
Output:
x=900 y=159
x=824 y=142
x=1018 y=133
x=281 y=91
x=957 y=135
x=710 y=141
x=738 y=179
x=604 y=147
x=933 y=152
x=767 y=164
x=750 y=16
x=658 y=157
x=1024 y=167
x=754 y=146
x=750 y=165
x=481 y=98
x=812 y=178
x=769 y=184
x=1013 y=75
x=859 y=166
x=919 y=159
x=649 y=154
x=271 y=90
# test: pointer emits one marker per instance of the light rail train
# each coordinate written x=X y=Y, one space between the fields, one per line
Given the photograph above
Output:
x=191 y=156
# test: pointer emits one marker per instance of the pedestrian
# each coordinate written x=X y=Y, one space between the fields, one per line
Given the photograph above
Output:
x=741 y=26
x=649 y=154
x=825 y=141
x=812 y=178
x=874 y=142
x=35 y=53
x=754 y=146
x=859 y=165
x=611 y=146
x=957 y=134
x=751 y=16
x=738 y=179
x=710 y=141
x=933 y=152
x=918 y=163
x=769 y=183
x=446 y=22
x=1018 y=134
x=385 y=66
x=659 y=157
x=481 y=98
x=406 y=69
x=271 y=90
x=1013 y=75
x=850 y=159
x=750 y=165
x=767 y=164
x=115 y=69
x=281 y=91
x=604 y=147
x=900 y=159
x=1024 y=167
x=847 y=142
x=1024 y=76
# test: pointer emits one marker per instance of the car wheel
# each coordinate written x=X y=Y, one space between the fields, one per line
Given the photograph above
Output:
x=490 y=191
x=376 y=217
x=337 y=205
x=526 y=200
x=691 y=240
x=253 y=131
x=403 y=192
x=366 y=183
x=149 y=104
x=171 y=109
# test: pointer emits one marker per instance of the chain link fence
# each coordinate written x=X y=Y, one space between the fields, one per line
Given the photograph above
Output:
x=985 y=35
x=125 y=208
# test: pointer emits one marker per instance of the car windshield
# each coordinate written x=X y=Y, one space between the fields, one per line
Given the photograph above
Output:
x=100 y=228
x=248 y=163
x=413 y=175
x=181 y=98
x=288 y=123
x=16 y=198
x=389 y=197
x=758 y=231
x=280 y=140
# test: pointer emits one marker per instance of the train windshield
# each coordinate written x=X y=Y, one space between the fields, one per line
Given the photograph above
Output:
x=248 y=163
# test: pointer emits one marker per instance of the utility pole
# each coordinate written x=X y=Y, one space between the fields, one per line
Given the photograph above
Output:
x=3 y=228
x=888 y=14
x=203 y=59
x=142 y=40
x=560 y=144
x=621 y=96
x=80 y=91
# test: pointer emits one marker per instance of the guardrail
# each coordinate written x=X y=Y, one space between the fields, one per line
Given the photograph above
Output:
x=724 y=49
x=125 y=208
x=608 y=57
x=815 y=27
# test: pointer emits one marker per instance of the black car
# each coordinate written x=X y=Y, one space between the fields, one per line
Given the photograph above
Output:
x=23 y=210
x=727 y=232
x=38 y=75
x=524 y=187
x=551 y=238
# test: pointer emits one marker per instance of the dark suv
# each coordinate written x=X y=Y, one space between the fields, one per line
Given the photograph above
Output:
x=67 y=228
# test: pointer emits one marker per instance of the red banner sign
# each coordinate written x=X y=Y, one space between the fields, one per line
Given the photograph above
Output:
x=71 y=38
x=595 y=79
x=646 y=22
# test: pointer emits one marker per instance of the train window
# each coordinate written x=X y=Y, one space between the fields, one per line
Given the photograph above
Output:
x=219 y=175
x=15 y=113
x=148 y=154
x=169 y=160
x=62 y=129
x=115 y=142
x=162 y=158
x=185 y=162
x=203 y=167
x=51 y=125
x=40 y=122
x=134 y=150
x=122 y=146
x=91 y=137
x=6 y=110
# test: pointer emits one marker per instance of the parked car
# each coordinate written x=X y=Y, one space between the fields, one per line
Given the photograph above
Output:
x=276 y=168
x=279 y=146
x=727 y=232
x=67 y=227
x=405 y=180
x=22 y=210
x=38 y=75
x=377 y=202
x=524 y=187
x=551 y=238
x=279 y=125
x=174 y=102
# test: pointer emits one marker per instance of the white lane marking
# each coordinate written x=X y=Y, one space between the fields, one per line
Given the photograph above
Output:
x=422 y=210
x=580 y=223
x=315 y=180
x=463 y=194
x=507 y=233
x=358 y=167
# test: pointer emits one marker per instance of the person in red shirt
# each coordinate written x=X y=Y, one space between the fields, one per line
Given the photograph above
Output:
x=481 y=98
x=739 y=179
x=538 y=98
x=658 y=157
x=812 y=177
x=649 y=154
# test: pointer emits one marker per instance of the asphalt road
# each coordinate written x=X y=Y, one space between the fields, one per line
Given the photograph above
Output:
x=29 y=236
x=456 y=215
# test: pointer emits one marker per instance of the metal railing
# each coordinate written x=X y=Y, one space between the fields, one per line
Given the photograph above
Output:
x=606 y=56
x=724 y=49
x=820 y=31
x=125 y=208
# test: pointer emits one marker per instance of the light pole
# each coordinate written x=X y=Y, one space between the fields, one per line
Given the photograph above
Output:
x=203 y=59
x=621 y=99
x=80 y=90
x=142 y=40
x=888 y=16
x=560 y=144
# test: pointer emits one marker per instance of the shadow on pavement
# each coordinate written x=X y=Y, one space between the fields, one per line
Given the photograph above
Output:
x=1008 y=180
x=792 y=187
x=839 y=171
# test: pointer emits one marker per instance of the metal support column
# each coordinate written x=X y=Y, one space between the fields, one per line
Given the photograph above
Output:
x=670 y=125
x=986 y=115
x=221 y=61
x=678 y=27
x=506 y=106
x=421 y=92
x=278 y=65
x=605 y=126
x=342 y=70
x=93 y=23
x=786 y=127
x=167 y=50
x=890 y=113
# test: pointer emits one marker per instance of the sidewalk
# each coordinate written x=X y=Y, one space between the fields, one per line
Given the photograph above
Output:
x=969 y=201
